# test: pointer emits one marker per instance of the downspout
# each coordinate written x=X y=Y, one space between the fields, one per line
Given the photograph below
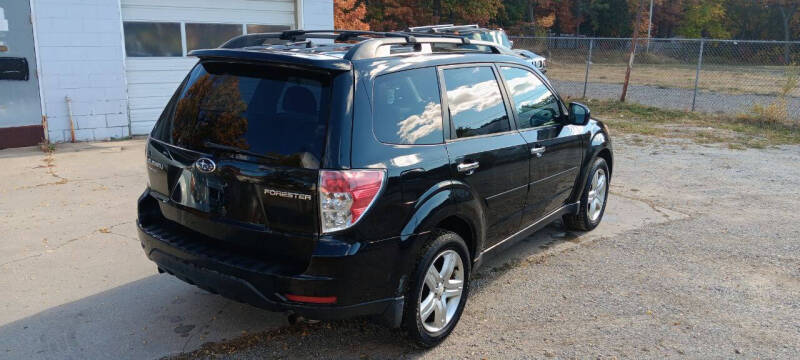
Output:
x=298 y=14
x=125 y=68
x=71 y=123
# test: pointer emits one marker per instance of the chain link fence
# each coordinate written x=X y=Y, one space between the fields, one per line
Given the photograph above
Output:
x=716 y=76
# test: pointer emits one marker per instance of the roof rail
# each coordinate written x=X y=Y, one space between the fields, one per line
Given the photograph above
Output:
x=302 y=35
x=380 y=47
x=444 y=28
x=427 y=27
x=372 y=44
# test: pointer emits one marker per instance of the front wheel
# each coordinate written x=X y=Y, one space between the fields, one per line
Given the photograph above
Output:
x=593 y=199
x=438 y=290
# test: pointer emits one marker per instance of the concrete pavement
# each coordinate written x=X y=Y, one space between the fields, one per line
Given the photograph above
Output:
x=76 y=284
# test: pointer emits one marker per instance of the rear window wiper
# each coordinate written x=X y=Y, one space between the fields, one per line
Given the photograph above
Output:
x=235 y=150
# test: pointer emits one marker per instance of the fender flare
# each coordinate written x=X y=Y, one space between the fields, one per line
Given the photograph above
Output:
x=598 y=142
x=442 y=201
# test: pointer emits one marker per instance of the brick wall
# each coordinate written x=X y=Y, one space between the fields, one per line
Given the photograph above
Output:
x=81 y=55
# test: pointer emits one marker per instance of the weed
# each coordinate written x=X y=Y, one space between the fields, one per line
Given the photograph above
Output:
x=742 y=131
x=777 y=112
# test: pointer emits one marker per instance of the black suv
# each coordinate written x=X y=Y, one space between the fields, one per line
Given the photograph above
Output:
x=364 y=174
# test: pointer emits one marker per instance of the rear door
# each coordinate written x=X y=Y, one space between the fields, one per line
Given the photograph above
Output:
x=555 y=148
x=485 y=151
x=236 y=154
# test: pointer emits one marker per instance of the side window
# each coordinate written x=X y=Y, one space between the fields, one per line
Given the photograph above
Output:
x=535 y=104
x=408 y=109
x=474 y=101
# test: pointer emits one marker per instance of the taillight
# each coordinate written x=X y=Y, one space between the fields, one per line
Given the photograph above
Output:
x=344 y=196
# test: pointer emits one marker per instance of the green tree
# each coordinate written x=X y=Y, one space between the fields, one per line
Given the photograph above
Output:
x=471 y=11
x=704 y=18
x=611 y=18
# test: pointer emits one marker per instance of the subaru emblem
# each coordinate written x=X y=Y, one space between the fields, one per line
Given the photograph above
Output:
x=205 y=165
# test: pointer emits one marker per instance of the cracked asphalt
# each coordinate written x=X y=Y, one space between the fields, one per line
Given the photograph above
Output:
x=697 y=258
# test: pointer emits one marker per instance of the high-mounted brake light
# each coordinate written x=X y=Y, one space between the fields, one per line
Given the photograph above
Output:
x=344 y=196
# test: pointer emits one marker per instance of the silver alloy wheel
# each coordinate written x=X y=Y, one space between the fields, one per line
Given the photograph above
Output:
x=597 y=195
x=441 y=291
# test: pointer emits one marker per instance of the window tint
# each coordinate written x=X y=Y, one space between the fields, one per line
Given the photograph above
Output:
x=147 y=39
x=407 y=108
x=534 y=103
x=210 y=36
x=474 y=101
x=263 y=110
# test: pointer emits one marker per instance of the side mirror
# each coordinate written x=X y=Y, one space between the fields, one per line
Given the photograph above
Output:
x=579 y=114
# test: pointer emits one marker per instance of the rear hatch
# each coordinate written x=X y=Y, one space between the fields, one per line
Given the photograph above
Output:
x=236 y=155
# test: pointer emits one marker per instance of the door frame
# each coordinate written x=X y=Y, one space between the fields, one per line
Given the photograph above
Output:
x=450 y=131
x=564 y=109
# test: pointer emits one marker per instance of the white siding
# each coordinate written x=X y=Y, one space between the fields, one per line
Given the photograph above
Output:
x=80 y=50
x=151 y=81
x=271 y=12
x=317 y=14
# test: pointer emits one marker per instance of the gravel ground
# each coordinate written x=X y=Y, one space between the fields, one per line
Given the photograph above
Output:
x=722 y=280
x=674 y=98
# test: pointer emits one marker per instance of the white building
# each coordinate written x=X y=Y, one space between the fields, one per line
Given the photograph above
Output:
x=117 y=61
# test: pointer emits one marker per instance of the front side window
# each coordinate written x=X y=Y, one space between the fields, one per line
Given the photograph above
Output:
x=407 y=108
x=474 y=101
x=152 y=39
x=535 y=105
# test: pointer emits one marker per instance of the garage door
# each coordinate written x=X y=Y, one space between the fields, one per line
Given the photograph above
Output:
x=159 y=34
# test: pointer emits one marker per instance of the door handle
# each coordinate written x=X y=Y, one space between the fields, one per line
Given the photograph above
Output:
x=538 y=151
x=468 y=167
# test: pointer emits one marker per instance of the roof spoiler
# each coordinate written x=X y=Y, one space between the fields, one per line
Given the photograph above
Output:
x=293 y=59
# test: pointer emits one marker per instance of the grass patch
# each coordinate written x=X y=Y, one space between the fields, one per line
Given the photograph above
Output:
x=739 y=132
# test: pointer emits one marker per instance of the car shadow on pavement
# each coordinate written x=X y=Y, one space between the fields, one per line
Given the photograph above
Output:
x=161 y=316
x=147 y=318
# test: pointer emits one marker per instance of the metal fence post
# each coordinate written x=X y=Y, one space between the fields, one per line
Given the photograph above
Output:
x=697 y=76
x=588 y=65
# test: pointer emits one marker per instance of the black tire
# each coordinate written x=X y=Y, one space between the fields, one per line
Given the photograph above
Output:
x=443 y=241
x=581 y=220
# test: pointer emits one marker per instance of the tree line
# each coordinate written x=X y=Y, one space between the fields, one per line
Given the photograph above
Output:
x=723 y=19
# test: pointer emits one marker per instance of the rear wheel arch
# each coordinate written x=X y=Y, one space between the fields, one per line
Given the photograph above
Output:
x=464 y=229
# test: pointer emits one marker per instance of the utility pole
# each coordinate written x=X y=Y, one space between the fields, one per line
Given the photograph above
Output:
x=649 y=26
x=633 y=50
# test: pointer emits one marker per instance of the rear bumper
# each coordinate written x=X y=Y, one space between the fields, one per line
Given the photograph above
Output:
x=358 y=291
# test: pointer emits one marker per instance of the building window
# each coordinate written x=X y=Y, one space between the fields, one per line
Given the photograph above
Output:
x=257 y=29
x=163 y=39
x=151 y=39
x=209 y=36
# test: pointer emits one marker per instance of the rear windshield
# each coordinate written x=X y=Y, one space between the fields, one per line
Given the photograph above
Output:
x=260 y=110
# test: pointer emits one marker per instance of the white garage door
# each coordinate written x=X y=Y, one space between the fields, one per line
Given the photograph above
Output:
x=159 y=34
